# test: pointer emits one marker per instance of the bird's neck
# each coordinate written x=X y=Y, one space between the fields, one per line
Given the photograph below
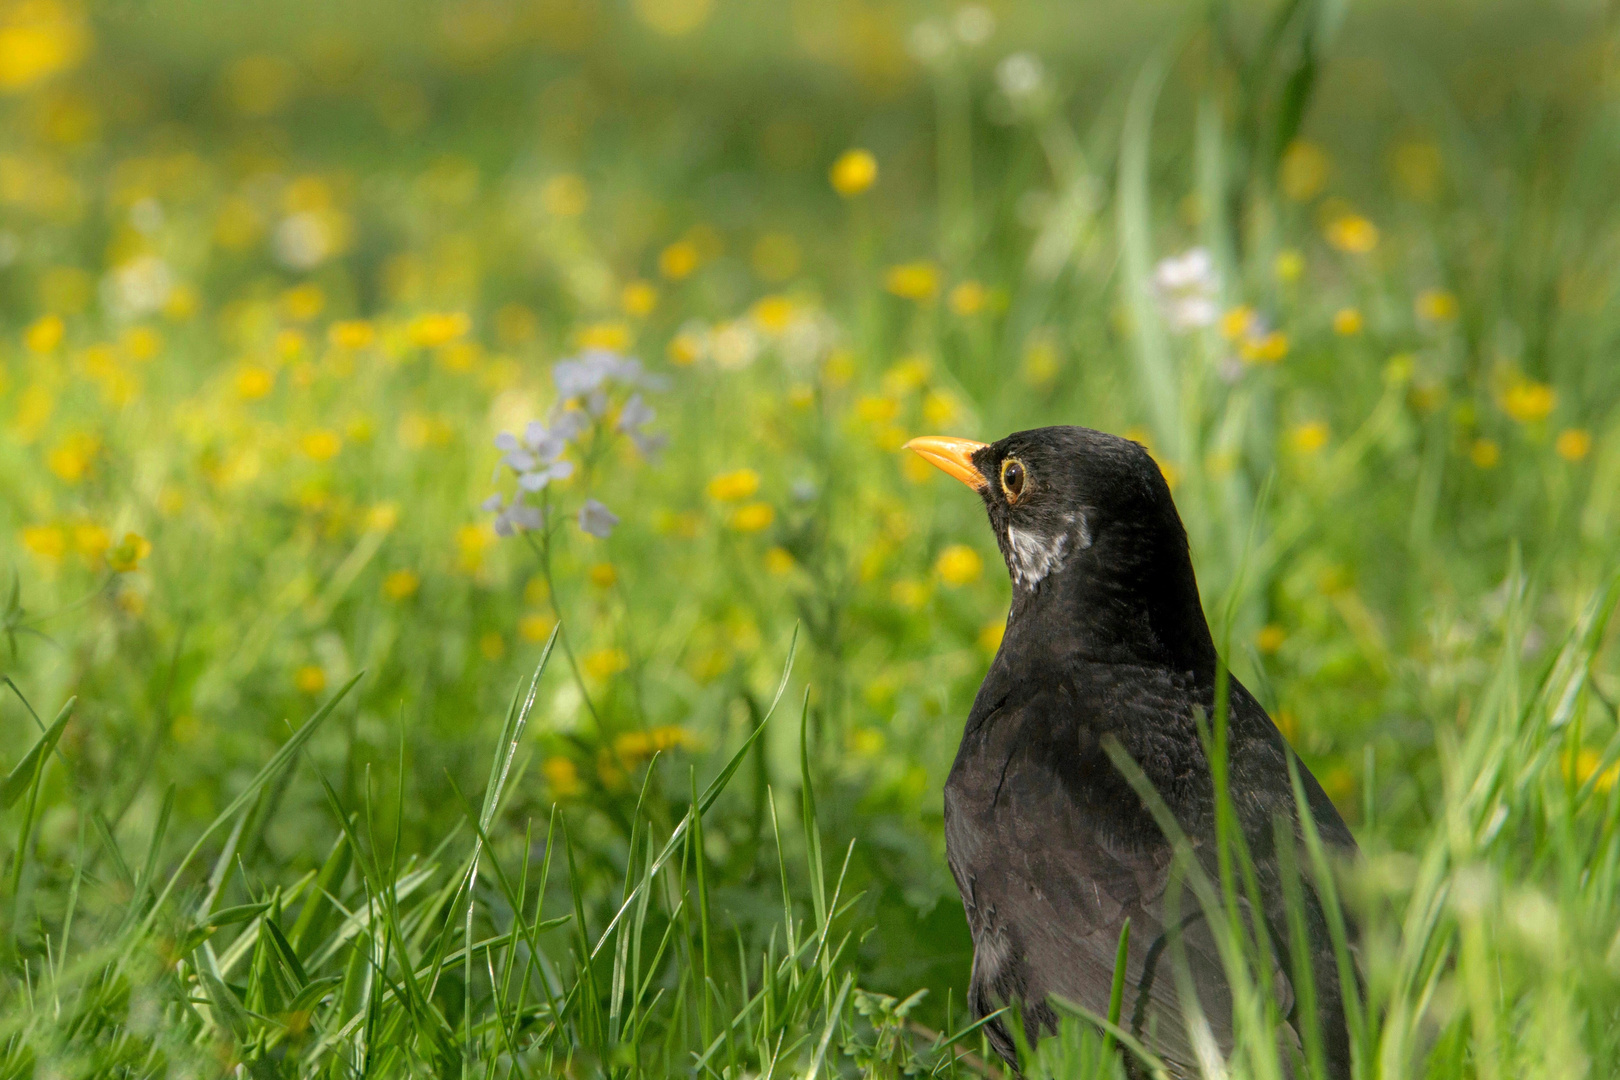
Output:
x=1117 y=601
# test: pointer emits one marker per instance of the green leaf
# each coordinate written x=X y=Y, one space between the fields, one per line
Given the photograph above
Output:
x=22 y=774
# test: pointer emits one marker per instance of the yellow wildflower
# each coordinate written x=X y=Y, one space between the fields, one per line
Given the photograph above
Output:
x=352 y=334
x=1289 y=265
x=46 y=541
x=1587 y=762
x=321 y=444
x=91 y=541
x=911 y=595
x=1528 y=401
x=855 y=171
x=1573 y=444
x=472 y=540
x=773 y=314
x=603 y=576
x=1347 y=322
x=1236 y=322
x=734 y=486
x=1265 y=350
x=967 y=299
x=127 y=556
x=677 y=261
x=1353 y=234
x=141 y=343
x=872 y=409
x=1040 y=364
x=685 y=348
x=40 y=39
x=301 y=303
x=536 y=626
x=638 y=298
x=778 y=560
x=1436 y=305
x=44 y=334
x=1303 y=171
x=839 y=368
x=433 y=329
x=753 y=517
x=1270 y=638
x=401 y=584
x=917 y=281
x=1309 y=437
x=613 y=335
x=254 y=382
x=1484 y=453
x=72 y=459
x=310 y=679
x=604 y=663
x=940 y=408
x=562 y=777
x=990 y=635
x=959 y=565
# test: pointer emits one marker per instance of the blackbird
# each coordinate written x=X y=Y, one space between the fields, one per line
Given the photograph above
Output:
x=1051 y=846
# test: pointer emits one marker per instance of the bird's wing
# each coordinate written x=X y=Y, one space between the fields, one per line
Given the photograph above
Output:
x=1052 y=852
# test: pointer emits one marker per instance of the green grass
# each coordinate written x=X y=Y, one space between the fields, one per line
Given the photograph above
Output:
x=696 y=830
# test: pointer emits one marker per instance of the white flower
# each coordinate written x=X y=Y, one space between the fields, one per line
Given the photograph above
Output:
x=974 y=24
x=597 y=519
x=534 y=457
x=734 y=345
x=1020 y=75
x=140 y=286
x=1186 y=287
x=636 y=415
x=303 y=241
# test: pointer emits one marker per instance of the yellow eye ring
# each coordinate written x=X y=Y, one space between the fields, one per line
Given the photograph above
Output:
x=1013 y=478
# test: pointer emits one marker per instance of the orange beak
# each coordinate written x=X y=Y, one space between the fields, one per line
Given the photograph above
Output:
x=954 y=456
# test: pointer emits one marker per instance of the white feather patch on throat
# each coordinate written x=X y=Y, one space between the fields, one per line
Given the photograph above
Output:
x=1033 y=557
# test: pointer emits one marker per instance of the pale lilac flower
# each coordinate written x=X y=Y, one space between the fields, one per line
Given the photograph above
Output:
x=513 y=517
x=636 y=415
x=597 y=519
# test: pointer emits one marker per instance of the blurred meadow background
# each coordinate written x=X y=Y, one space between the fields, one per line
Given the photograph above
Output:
x=275 y=278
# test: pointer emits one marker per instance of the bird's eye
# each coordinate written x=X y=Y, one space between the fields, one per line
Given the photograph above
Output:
x=1012 y=478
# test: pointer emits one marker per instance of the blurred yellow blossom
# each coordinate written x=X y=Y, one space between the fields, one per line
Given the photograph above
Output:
x=673 y=18
x=1040 y=364
x=1235 y=322
x=1309 y=437
x=1436 y=305
x=1573 y=444
x=734 y=486
x=38 y=39
x=940 y=408
x=910 y=373
x=1352 y=233
x=604 y=663
x=1270 y=638
x=753 y=517
x=72 y=458
x=433 y=329
x=141 y=343
x=639 y=745
x=310 y=679
x=321 y=444
x=254 y=382
x=990 y=635
x=773 y=314
x=613 y=335
x=91 y=541
x=1270 y=348
x=382 y=517
x=638 y=298
x=967 y=298
x=1586 y=764
x=910 y=594
x=352 y=334
x=685 y=348
x=876 y=409
x=677 y=261
x=839 y=368
x=1484 y=453
x=301 y=303
x=401 y=584
x=917 y=281
x=565 y=195
x=1528 y=401
x=536 y=626
x=34 y=407
x=959 y=565
x=44 y=334
x=855 y=171
x=562 y=777
x=1289 y=265
x=472 y=540
x=127 y=555
x=1303 y=171
x=1347 y=321
x=778 y=560
x=46 y=541
x=602 y=575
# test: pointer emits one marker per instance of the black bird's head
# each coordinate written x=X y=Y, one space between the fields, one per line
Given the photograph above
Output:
x=1096 y=551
